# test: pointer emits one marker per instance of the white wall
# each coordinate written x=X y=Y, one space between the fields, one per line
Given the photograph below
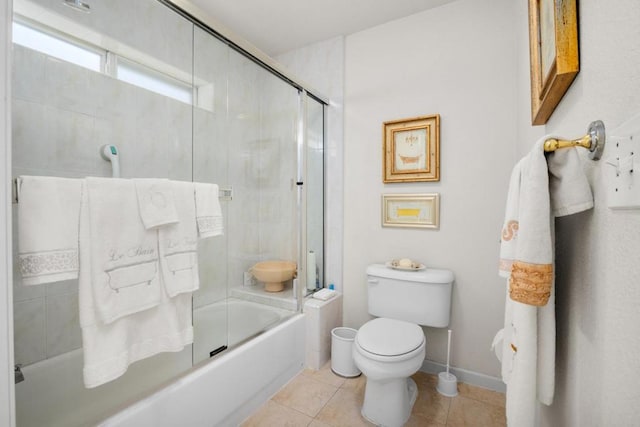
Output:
x=457 y=60
x=598 y=252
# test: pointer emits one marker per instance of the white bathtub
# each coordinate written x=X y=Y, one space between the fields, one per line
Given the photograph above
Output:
x=222 y=391
x=242 y=319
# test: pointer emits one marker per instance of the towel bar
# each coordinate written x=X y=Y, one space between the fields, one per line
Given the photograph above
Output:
x=594 y=141
x=224 y=193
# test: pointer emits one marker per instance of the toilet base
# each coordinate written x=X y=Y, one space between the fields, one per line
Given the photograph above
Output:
x=388 y=403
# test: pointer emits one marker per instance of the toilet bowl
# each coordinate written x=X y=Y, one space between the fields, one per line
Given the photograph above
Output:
x=391 y=348
x=388 y=352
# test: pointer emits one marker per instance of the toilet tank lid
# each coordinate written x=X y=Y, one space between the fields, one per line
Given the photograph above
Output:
x=428 y=275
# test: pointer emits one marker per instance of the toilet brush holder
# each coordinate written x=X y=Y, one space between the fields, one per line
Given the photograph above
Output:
x=447 y=384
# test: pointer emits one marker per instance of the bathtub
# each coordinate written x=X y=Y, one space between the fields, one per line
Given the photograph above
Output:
x=242 y=319
x=221 y=391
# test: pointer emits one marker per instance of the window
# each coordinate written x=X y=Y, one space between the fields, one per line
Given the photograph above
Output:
x=57 y=47
x=155 y=81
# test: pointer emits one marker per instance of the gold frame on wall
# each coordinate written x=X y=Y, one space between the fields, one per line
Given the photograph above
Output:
x=411 y=149
x=553 y=51
x=411 y=210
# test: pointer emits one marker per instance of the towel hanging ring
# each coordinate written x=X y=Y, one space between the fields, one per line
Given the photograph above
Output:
x=594 y=141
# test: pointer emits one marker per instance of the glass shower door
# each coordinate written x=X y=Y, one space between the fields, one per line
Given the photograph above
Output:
x=245 y=130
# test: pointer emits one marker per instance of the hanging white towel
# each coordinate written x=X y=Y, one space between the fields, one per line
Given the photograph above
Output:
x=125 y=272
x=178 y=243
x=48 y=215
x=110 y=348
x=537 y=193
x=570 y=193
x=156 y=203
x=208 y=210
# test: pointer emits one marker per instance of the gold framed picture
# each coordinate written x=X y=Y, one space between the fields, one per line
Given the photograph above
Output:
x=553 y=50
x=411 y=149
x=411 y=210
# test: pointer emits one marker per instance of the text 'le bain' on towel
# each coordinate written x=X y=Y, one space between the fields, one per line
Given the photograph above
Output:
x=137 y=265
x=540 y=189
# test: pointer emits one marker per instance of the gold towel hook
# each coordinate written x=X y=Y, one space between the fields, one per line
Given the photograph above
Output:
x=594 y=141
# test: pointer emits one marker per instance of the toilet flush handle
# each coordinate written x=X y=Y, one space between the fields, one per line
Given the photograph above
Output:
x=372 y=281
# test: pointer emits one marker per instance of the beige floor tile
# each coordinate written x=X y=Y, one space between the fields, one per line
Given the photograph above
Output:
x=325 y=375
x=470 y=412
x=316 y=423
x=305 y=394
x=430 y=404
x=343 y=410
x=423 y=379
x=356 y=385
x=482 y=394
x=272 y=414
x=418 y=421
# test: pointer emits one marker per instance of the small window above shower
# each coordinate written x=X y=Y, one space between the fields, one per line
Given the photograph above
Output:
x=131 y=67
x=52 y=45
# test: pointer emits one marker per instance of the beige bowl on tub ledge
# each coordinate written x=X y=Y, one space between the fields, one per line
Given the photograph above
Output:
x=274 y=274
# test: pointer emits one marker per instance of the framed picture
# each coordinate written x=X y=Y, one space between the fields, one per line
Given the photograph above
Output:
x=411 y=149
x=411 y=210
x=553 y=49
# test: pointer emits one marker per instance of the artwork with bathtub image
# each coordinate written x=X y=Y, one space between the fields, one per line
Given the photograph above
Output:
x=412 y=149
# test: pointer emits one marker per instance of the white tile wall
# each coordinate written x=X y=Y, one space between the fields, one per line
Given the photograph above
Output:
x=322 y=317
x=63 y=332
x=246 y=137
x=29 y=331
x=62 y=115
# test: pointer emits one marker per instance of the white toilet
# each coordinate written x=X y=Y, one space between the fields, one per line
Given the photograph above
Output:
x=391 y=348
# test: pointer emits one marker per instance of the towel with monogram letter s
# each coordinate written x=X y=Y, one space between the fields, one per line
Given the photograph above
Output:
x=541 y=188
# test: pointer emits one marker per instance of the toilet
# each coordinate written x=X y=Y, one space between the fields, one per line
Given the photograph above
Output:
x=392 y=347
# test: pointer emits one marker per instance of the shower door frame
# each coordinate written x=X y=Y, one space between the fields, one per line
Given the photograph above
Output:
x=7 y=390
x=7 y=393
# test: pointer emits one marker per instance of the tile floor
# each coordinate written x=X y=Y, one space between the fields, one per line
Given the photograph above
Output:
x=323 y=399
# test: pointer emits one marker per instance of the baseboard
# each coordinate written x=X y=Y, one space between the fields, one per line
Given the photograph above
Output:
x=465 y=376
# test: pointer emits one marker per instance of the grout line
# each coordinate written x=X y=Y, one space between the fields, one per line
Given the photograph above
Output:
x=293 y=409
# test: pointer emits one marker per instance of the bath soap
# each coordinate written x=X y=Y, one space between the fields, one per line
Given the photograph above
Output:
x=324 y=294
x=405 y=262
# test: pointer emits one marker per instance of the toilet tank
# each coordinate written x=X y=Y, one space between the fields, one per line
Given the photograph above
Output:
x=422 y=297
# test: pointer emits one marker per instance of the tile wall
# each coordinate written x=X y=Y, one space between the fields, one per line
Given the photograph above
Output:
x=63 y=114
x=244 y=135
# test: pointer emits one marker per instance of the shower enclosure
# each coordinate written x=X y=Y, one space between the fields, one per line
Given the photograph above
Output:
x=180 y=102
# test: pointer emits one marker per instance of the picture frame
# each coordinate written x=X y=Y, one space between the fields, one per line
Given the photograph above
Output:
x=411 y=210
x=553 y=50
x=411 y=149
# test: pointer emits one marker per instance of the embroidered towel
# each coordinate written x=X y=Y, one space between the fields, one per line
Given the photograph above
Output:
x=525 y=252
x=48 y=215
x=528 y=355
x=208 y=210
x=178 y=243
x=124 y=255
x=155 y=200
x=110 y=348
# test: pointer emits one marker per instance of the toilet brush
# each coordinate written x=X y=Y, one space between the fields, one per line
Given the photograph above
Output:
x=447 y=382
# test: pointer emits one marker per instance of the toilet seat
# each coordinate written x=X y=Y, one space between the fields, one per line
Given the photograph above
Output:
x=389 y=339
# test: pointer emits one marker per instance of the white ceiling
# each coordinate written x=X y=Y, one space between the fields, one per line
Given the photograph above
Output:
x=277 y=26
